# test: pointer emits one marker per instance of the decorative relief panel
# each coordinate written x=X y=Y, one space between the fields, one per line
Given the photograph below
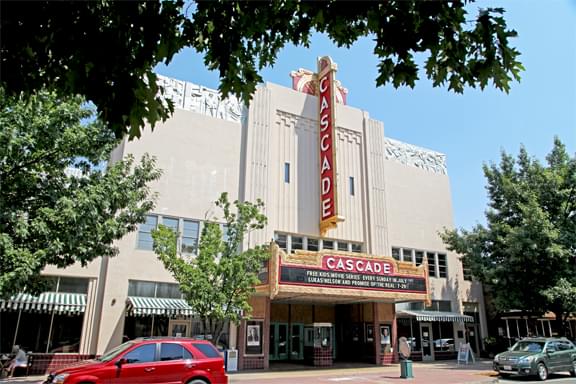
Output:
x=199 y=99
x=301 y=123
x=414 y=156
x=348 y=135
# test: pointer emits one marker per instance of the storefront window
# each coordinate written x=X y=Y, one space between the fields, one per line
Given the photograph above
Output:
x=443 y=332
x=396 y=253
x=342 y=246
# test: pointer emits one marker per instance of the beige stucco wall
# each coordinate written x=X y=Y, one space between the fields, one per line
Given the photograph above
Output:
x=199 y=157
x=419 y=206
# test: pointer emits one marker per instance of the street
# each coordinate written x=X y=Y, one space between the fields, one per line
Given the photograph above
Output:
x=555 y=378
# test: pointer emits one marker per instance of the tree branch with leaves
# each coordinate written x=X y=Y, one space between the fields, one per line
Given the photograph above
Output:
x=526 y=254
x=49 y=216
x=40 y=47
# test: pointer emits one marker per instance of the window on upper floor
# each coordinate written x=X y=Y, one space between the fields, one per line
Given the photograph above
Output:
x=419 y=256
x=297 y=243
x=190 y=235
x=351 y=182
x=343 y=246
x=396 y=253
x=407 y=255
x=282 y=241
x=328 y=244
x=356 y=247
x=286 y=172
x=153 y=289
x=440 y=305
x=313 y=245
x=66 y=284
x=466 y=272
x=291 y=243
x=145 y=232
x=442 y=265
x=431 y=264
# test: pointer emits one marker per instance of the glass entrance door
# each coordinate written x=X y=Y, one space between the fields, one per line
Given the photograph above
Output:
x=296 y=341
x=426 y=337
x=278 y=341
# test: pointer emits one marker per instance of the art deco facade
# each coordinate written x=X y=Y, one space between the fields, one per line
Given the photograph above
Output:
x=344 y=295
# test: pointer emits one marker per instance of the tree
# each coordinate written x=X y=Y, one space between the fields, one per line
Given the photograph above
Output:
x=218 y=282
x=526 y=253
x=107 y=50
x=49 y=215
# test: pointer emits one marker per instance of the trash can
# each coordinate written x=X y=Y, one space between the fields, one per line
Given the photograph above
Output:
x=406 y=369
x=231 y=360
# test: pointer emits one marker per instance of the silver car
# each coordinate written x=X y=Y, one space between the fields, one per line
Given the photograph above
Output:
x=538 y=356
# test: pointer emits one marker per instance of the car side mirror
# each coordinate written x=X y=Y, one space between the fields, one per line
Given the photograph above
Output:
x=120 y=362
x=550 y=350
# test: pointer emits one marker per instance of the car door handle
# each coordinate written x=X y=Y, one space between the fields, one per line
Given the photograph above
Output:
x=149 y=369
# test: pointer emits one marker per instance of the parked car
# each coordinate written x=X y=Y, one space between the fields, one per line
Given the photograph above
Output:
x=149 y=360
x=444 y=345
x=538 y=356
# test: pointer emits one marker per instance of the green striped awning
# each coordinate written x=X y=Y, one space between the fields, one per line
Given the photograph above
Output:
x=59 y=302
x=145 y=306
x=435 y=316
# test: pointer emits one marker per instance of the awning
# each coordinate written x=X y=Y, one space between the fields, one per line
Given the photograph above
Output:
x=59 y=302
x=145 y=306
x=435 y=316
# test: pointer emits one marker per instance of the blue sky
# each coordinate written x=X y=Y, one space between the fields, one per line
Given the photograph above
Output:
x=471 y=129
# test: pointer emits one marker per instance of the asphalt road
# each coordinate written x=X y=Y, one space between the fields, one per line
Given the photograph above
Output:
x=554 y=378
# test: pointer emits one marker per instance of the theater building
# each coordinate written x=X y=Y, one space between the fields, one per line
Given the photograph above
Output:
x=356 y=260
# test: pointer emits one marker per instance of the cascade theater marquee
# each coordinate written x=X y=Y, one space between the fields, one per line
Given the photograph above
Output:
x=314 y=306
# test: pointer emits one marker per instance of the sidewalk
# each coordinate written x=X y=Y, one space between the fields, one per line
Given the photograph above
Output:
x=441 y=372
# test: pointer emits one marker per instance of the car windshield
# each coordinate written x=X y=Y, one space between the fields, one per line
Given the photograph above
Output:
x=115 y=352
x=528 y=346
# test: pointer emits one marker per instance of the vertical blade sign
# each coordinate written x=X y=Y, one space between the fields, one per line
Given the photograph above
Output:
x=326 y=108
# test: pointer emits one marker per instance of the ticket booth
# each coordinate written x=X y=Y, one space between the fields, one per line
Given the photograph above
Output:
x=319 y=344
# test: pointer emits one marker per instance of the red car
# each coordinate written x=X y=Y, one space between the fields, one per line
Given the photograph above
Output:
x=149 y=360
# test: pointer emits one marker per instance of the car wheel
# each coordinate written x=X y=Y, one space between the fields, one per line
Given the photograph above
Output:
x=573 y=371
x=197 y=381
x=542 y=371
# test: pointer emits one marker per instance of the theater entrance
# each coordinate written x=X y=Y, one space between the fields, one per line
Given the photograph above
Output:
x=286 y=342
x=321 y=334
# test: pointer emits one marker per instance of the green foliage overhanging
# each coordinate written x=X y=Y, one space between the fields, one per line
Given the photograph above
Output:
x=107 y=50
x=49 y=216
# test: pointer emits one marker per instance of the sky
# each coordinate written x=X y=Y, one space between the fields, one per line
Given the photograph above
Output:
x=471 y=129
